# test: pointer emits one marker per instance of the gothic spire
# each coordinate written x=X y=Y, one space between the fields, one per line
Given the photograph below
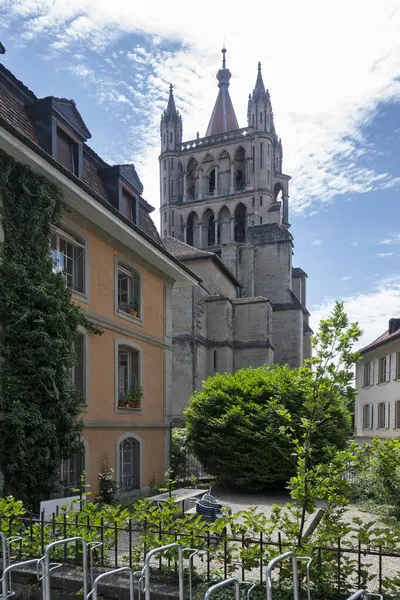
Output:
x=223 y=117
x=259 y=90
x=171 y=111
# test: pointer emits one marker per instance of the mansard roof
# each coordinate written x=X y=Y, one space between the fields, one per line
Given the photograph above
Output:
x=15 y=100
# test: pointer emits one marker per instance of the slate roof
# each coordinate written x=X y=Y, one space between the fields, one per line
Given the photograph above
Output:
x=15 y=97
x=184 y=252
x=297 y=272
x=382 y=339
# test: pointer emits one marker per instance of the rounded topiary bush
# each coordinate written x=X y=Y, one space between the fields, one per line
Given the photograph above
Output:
x=236 y=424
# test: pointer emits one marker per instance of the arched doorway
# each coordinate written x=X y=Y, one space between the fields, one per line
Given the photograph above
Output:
x=240 y=223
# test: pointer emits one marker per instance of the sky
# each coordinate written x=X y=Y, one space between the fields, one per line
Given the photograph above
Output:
x=333 y=72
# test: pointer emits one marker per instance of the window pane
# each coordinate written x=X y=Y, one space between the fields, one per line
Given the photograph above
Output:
x=129 y=464
x=128 y=290
x=124 y=287
x=79 y=269
x=71 y=471
x=67 y=151
x=126 y=205
x=134 y=374
x=123 y=374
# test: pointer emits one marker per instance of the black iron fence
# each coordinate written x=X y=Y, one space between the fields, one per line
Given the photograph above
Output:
x=221 y=555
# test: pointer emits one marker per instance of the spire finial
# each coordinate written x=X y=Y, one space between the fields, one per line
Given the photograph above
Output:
x=223 y=57
x=259 y=66
x=171 y=87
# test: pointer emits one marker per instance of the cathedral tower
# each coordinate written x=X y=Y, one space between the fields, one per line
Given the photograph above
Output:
x=226 y=192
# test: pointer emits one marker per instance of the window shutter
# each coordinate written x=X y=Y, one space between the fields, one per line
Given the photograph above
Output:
x=387 y=415
x=371 y=373
x=388 y=365
x=371 y=416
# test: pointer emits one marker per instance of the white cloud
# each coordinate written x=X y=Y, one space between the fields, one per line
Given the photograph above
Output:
x=347 y=278
x=355 y=244
x=321 y=99
x=317 y=242
x=384 y=254
x=393 y=239
x=372 y=310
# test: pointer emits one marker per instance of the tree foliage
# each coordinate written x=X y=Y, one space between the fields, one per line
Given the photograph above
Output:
x=39 y=404
x=245 y=427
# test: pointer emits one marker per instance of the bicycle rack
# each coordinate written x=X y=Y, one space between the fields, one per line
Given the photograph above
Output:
x=48 y=567
x=309 y=561
x=224 y=583
x=145 y=572
x=6 y=576
x=270 y=567
x=92 y=546
x=93 y=592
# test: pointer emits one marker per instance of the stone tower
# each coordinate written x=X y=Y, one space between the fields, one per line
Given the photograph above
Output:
x=226 y=192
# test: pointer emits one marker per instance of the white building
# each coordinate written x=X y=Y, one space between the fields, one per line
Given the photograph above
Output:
x=377 y=410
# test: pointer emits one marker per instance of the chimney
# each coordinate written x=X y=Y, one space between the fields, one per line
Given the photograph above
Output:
x=2 y=49
x=394 y=325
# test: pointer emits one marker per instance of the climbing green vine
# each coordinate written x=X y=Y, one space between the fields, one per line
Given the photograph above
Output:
x=39 y=404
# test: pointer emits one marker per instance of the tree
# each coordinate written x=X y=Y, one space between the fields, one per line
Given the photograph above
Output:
x=245 y=427
x=39 y=404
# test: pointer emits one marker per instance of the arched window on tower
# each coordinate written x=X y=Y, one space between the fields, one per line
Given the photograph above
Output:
x=211 y=183
x=209 y=226
x=192 y=225
x=240 y=223
x=191 y=179
x=240 y=180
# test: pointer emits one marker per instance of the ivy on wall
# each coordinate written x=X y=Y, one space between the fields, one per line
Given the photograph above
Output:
x=39 y=404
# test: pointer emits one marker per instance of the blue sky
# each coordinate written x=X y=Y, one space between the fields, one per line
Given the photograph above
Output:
x=335 y=90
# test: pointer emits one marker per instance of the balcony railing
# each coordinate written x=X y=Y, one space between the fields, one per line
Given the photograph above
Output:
x=178 y=198
x=219 y=138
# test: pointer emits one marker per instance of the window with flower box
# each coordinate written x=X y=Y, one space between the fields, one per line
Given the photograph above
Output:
x=128 y=291
x=130 y=393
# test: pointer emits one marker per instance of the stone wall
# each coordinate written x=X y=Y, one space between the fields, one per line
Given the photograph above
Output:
x=288 y=336
x=215 y=281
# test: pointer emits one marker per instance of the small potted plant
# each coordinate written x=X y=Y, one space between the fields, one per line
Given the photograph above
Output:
x=133 y=307
x=123 y=402
x=133 y=399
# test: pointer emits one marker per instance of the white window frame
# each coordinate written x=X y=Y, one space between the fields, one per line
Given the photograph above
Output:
x=126 y=435
x=119 y=345
x=69 y=232
x=130 y=269
x=368 y=374
x=367 y=422
x=384 y=369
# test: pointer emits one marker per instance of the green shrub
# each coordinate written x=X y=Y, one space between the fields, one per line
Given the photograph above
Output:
x=236 y=425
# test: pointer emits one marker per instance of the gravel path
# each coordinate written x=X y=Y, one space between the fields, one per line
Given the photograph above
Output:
x=264 y=503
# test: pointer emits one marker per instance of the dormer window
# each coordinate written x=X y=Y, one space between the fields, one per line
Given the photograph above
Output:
x=128 y=205
x=67 y=152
